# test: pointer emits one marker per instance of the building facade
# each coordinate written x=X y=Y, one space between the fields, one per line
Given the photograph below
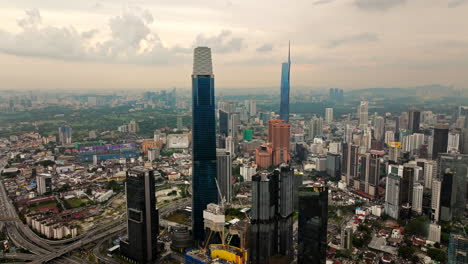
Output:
x=203 y=139
x=143 y=220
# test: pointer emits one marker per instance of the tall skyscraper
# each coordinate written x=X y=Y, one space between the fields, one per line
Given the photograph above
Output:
x=271 y=218
x=280 y=142
x=454 y=168
x=315 y=127
x=312 y=228
x=285 y=75
x=143 y=220
x=414 y=120
x=350 y=162
x=204 y=189
x=440 y=140
x=224 y=173
x=65 y=135
x=223 y=123
x=328 y=115
x=435 y=199
x=417 y=198
x=379 y=128
x=392 y=197
x=458 y=249
x=363 y=114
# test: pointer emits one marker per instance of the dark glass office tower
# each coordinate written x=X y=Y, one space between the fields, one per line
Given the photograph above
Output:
x=203 y=139
x=271 y=237
x=223 y=123
x=414 y=121
x=143 y=219
x=312 y=232
x=440 y=140
x=454 y=188
x=285 y=74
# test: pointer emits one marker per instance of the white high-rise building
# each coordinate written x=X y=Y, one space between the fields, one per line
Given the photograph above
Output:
x=247 y=171
x=453 y=142
x=418 y=190
x=44 y=183
x=328 y=115
x=430 y=170
x=363 y=113
x=389 y=137
x=434 y=232
x=435 y=199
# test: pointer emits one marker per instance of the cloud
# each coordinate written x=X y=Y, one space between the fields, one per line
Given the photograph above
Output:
x=222 y=43
x=359 y=38
x=322 y=2
x=265 y=47
x=456 y=3
x=131 y=41
x=378 y=5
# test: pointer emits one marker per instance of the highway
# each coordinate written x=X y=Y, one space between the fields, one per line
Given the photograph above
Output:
x=48 y=250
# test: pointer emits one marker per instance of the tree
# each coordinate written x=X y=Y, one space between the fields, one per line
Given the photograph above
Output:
x=417 y=226
x=89 y=191
x=406 y=252
x=437 y=254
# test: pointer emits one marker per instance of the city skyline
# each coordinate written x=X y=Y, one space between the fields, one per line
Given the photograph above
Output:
x=351 y=51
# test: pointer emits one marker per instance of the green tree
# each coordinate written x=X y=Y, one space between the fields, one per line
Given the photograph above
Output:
x=406 y=252
x=437 y=254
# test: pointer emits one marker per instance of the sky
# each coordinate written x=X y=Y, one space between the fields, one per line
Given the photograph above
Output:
x=147 y=44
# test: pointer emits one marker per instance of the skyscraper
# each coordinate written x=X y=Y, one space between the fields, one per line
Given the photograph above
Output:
x=458 y=249
x=454 y=168
x=224 y=173
x=223 y=123
x=44 y=183
x=392 y=197
x=440 y=141
x=312 y=228
x=143 y=219
x=280 y=135
x=379 y=128
x=285 y=74
x=271 y=218
x=203 y=139
x=363 y=114
x=328 y=115
x=65 y=135
x=414 y=120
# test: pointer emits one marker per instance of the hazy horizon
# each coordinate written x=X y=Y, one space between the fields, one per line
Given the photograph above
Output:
x=349 y=44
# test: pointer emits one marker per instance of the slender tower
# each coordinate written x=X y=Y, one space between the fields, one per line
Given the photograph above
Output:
x=285 y=74
x=204 y=189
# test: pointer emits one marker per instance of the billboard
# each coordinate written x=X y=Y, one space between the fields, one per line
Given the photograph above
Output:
x=394 y=144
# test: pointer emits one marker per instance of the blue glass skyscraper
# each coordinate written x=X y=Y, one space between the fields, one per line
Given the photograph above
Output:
x=204 y=189
x=285 y=74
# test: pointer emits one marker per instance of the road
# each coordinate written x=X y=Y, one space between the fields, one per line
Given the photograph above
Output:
x=48 y=250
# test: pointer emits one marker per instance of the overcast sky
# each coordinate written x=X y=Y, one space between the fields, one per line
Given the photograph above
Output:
x=107 y=44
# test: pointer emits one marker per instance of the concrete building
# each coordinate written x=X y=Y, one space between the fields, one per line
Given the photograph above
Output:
x=224 y=173
x=435 y=199
x=417 y=202
x=44 y=183
x=363 y=114
x=434 y=233
x=328 y=115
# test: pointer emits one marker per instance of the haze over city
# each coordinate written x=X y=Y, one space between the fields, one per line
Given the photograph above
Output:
x=234 y=132
x=343 y=43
